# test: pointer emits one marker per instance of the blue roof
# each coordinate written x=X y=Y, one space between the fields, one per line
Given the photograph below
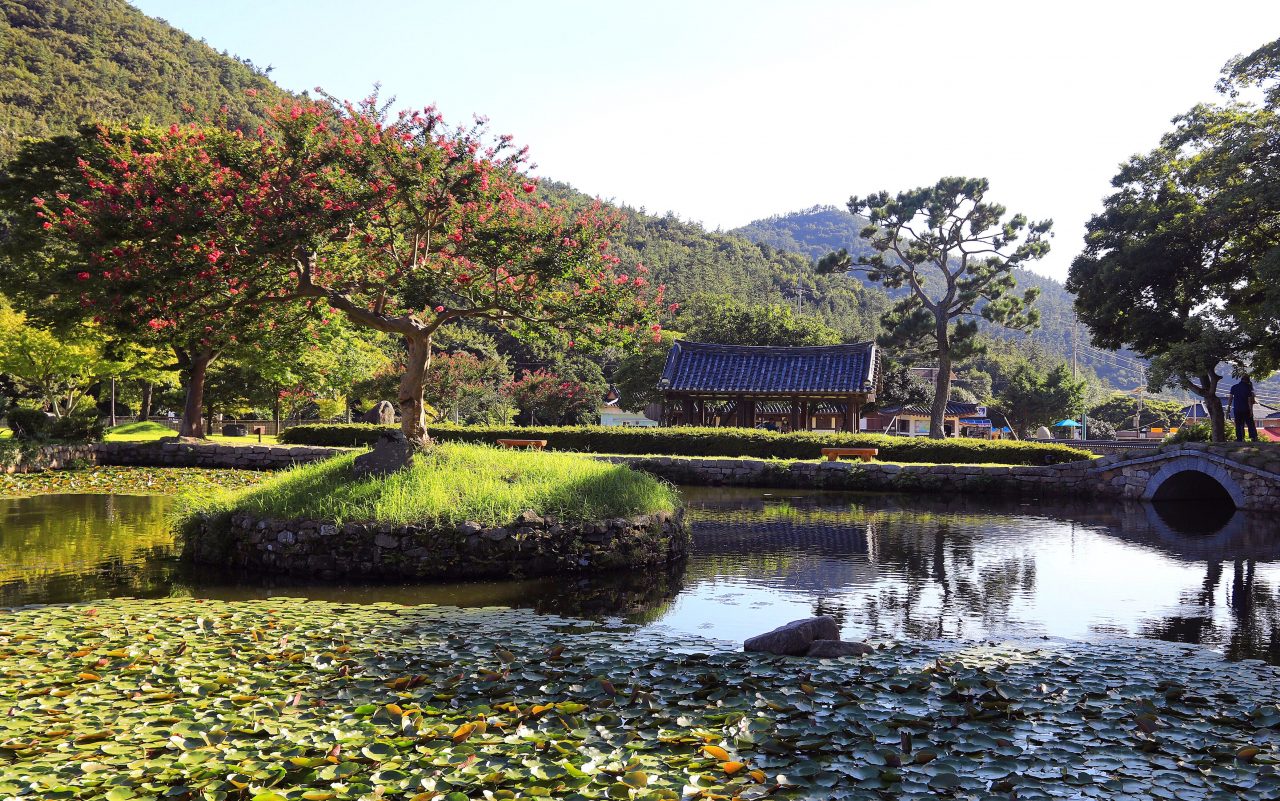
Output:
x=829 y=369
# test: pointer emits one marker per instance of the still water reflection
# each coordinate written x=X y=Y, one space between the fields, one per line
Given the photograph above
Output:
x=883 y=565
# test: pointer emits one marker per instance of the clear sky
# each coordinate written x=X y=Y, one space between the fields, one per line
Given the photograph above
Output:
x=725 y=112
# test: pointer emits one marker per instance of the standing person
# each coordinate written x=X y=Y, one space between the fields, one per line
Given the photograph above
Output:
x=1242 y=400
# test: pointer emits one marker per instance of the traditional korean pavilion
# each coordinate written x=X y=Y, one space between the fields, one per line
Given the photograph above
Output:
x=741 y=385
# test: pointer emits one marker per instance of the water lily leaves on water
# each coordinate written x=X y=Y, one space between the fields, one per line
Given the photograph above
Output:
x=128 y=480
x=235 y=699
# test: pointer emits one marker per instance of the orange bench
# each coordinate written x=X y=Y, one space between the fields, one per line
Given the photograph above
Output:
x=865 y=454
x=536 y=444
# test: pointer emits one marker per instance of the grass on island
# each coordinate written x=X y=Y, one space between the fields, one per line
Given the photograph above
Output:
x=452 y=483
x=149 y=431
x=297 y=700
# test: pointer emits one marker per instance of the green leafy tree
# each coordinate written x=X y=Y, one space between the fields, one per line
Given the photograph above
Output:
x=57 y=368
x=726 y=320
x=637 y=375
x=1160 y=271
x=901 y=387
x=970 y=249
x=1124 y=412
x=1033 y=398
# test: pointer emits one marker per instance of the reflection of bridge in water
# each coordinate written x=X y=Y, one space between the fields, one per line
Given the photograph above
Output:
x=948 y=564
x=827 y=524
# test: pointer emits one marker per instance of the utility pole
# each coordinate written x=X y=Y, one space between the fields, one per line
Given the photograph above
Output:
x=1075 y=344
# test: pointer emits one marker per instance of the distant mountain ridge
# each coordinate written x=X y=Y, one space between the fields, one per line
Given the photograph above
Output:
x=817 y=231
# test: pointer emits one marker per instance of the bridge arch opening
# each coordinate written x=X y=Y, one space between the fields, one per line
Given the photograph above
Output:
x=1192 y=485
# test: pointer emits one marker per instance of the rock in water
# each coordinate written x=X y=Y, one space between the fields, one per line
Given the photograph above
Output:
x=383 y=414
x=794 y=638
x=834 y=649
x=390 y=454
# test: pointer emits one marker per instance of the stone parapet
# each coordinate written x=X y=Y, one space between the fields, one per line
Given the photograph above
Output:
x=1253 y=480
x=530 y=546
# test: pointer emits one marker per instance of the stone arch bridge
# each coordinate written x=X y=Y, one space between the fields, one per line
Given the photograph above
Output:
x=1247 y=476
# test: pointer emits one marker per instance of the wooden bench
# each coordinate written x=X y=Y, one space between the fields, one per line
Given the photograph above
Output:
x=865 y=454
x=536 y=444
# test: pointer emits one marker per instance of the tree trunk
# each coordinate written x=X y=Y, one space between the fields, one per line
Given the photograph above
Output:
x=275 y=408
x=941 y=392
x=113 y=402
x=1212 y=405
x=413 y=417
x=144 y=408
x=191 y=412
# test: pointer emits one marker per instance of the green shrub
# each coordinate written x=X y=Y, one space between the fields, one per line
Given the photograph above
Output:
x=1197 y=432
x=690 y=441
x=28 y=423
x=338 y=435
x=84 y=426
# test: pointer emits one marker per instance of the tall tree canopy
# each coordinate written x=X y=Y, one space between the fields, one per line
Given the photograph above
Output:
x=203 y=234
x=1183 y=261
x=149 y=234
x=947 y=229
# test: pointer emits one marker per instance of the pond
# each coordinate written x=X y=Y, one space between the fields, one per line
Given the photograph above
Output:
x=886 y=566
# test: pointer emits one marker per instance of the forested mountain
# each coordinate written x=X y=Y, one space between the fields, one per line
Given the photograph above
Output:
x=691 y=260
x=817 y=231
x=64 y=62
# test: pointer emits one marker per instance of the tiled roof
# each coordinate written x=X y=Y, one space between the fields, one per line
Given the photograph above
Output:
x=780 y=407
x=834 y=369
x=954 y=409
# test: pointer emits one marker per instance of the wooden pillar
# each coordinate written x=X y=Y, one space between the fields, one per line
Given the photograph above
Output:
x=702 y=411
x=751 y=413
x=857 y=414
x=740 y=412
x=795 y=413
x=850 y=415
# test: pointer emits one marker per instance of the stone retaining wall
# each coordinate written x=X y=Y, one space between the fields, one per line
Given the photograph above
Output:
x=531 y=546
x=211 y=454
x=51 y=457
x=1252 y=480
x=174 y=454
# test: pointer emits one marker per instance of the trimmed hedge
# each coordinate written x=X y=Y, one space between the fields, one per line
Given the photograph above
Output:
x=690 y=441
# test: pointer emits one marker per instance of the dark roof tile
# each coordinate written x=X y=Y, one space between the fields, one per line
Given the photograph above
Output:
x=833 y=369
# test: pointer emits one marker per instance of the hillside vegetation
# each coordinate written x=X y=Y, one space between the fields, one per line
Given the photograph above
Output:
x=66 y=62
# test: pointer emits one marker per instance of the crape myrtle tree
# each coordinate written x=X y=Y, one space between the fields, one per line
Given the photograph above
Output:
x=146 y=236
x=955 y=253
x=426 y=226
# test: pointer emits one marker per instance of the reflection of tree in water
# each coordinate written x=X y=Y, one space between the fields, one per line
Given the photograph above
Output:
x=941 y=566
x=937 y=557
x=1253 y=606
x=924 y=568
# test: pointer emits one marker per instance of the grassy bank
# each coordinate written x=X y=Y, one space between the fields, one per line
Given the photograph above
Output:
x=453 y=483
x=730 y=442
x=296 y=700
x=149 y=431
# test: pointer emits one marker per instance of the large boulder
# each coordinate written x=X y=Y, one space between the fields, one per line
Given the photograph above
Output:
x=391 y=453
x=834 y=649
x=383 y=414
x=794 y=638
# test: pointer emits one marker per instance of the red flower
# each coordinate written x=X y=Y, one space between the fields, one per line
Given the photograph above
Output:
x=528 y=188
x=83 y=276
x=439 y=309
x=48 y=225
